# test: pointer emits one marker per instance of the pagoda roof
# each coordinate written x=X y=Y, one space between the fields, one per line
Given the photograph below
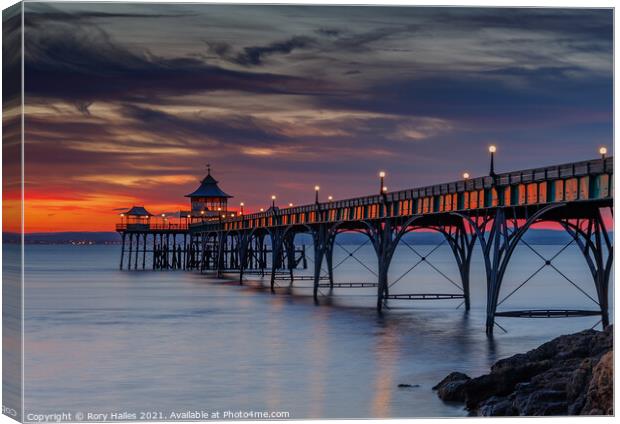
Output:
x=137 y=211
x=209 y=188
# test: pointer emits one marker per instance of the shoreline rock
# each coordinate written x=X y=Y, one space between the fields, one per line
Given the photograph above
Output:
x=570 y=375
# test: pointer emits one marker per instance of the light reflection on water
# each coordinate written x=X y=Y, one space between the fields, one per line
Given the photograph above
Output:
x=98 y=339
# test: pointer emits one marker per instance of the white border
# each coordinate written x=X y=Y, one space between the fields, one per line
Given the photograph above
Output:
x=482 y=3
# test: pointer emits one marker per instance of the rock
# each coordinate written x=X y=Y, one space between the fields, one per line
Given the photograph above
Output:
x=599 y=397
x=451 y=387
x=570 y=375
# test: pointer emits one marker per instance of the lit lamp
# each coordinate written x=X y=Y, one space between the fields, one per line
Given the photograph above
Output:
x=384 y=189
x=492 y=150
x=242 y=205
x=316 y=194
x=603 y=152
x=330 y=198
x=273 y=201
x=465 y=175
x=290 y=205
x=262 y=210
x=381 y=186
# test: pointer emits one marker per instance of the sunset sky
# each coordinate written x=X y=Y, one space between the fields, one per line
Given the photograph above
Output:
x=126 y=104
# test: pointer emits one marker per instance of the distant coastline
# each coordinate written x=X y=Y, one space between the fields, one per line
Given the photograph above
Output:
x=534 y=236
x=76 y=238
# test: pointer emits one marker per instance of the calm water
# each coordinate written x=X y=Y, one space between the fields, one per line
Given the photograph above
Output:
x=101 y=340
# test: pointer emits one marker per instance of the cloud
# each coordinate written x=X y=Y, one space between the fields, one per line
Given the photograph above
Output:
x=81 y=63
x=255 y=55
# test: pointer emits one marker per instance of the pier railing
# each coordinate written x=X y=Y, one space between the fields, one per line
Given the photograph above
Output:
x=579 y=181
x=151 y=227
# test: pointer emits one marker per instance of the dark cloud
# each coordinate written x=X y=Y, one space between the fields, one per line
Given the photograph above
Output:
x=232 y=130
x=81 y=63
x=11 y=54
x=329 y=32
x=255 y=55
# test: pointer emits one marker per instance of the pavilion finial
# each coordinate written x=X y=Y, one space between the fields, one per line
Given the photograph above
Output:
x=208 y=169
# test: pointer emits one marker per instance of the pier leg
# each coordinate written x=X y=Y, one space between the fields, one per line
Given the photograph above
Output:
x=276 y=256
x=319 y=238
x=290 y=256
x=144 y=252
x=597 y=248
x=137 y=251
x=130 y=250
x=122 y=251
x=329 y=260
x=243 y=252
x=384 y=246
x=154 y=254
x=498 y=244
x=462 y=244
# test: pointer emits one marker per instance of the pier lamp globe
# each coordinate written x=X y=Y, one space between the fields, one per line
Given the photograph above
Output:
x=384 y=189
x=262 y=210
x=273 y=200
x=316 y=194
x=290 y=205
x=465 y=175
x=382 y=180
x=603 y=152
x=330 y=198
x=242 y=205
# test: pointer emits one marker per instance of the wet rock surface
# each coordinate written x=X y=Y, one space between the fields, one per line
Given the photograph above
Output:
x=570 y=375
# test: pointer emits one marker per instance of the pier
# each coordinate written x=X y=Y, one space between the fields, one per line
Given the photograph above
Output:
x=492 y=212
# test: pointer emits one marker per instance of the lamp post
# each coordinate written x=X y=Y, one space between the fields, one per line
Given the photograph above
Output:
x=273 y=201
x=603 y=152
x=316 y=194
x=382 y=179
x=465 y=175
x=492 y=150
x=330 y=198
x=242 y=205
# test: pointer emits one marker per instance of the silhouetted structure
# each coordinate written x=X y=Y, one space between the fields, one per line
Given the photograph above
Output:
x=495 y=211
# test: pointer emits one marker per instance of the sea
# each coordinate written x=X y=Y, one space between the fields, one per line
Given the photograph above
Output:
x=177 y=344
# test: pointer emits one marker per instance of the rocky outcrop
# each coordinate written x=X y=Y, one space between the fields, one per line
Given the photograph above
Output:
x=570 y=375
x=600 y=396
